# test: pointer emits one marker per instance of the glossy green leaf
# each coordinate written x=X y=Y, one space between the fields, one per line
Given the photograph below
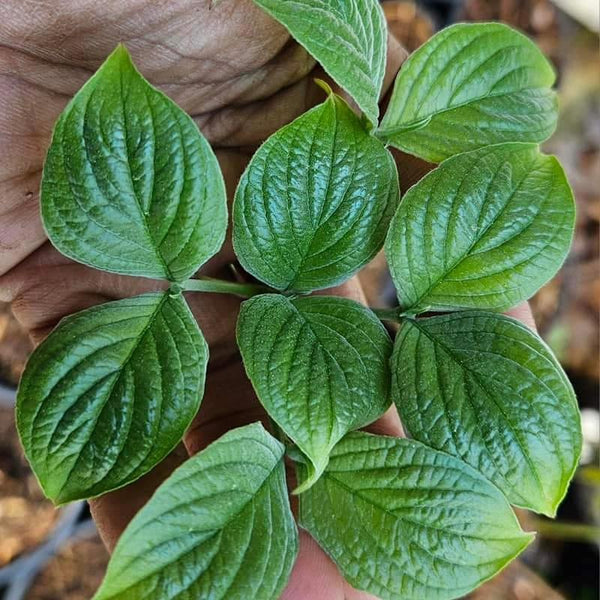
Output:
x=130 y=185
x=319 y=366
x=348 y=38
x=315 y=202
x=486 y=229
x=484 y=388
x=469 y=86
x=220 y=527
x=110 y=393
x=405 y=521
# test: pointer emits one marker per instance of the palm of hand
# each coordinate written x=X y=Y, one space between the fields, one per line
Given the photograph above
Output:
x=241 y=77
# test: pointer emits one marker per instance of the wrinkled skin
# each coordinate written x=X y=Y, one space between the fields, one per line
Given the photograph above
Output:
x=241 y=77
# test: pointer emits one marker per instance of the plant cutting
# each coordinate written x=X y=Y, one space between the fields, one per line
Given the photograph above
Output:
x=130 y=186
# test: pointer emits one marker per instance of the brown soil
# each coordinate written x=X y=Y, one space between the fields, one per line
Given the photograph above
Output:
x=14 y=346
x=73 y=574
x=26 y=517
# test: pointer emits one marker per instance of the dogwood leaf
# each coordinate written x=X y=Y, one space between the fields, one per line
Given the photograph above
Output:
x=110 y=393
x=469 y=86
x=130 y=185
x=348 y=38
x=319 y=366
x=220 y=527
x=486 y=229
x=315 y=202
x=401 y=520
x=484 y=388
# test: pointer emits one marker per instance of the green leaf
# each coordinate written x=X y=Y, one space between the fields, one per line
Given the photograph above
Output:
x=319 y=366
x=220 y=527
x=130 y=185
x=486 y=229
x=348 y=38
x=484 y=388
x=110 y=393
x=469 y=86
x=315 y=202
x=404 y=521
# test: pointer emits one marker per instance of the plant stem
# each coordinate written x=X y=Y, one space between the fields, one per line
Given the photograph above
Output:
x=219 y=286
x=567 y=531
x=384 y=133
x=387 y=314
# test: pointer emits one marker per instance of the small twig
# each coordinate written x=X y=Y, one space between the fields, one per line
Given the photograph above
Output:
x=218 y=286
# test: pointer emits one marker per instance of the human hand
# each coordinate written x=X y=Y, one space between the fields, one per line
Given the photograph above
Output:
x=241 y=77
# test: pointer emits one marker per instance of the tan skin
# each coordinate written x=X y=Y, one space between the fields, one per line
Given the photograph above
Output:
x=241 y=77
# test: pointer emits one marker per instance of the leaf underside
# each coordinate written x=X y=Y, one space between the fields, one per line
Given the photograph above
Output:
x=315 y=202
x=130 y=185
x=319 y=366
x=220 y=527
x=405 y=521
x=486 y=229
x=110 y=393
x=347 y=37
x=484 y=388
x=470 y=86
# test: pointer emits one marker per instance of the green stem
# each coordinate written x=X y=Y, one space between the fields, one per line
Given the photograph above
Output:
x=567 y=531
x=384 y=133
x=387 y=314
x=218 y=286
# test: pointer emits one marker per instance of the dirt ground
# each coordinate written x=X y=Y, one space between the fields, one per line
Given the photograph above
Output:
x=26 y=517
x=74 y=574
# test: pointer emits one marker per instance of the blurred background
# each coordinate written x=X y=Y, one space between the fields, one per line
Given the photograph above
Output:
x=47 y=554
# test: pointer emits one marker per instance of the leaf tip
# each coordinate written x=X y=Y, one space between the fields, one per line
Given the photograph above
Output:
x=549 y=506
x=61 y=496
x=51 y=491
x=314 y=470
x=120 y=53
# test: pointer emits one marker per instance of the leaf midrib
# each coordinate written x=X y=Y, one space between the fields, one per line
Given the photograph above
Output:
x=467 y=254
x=448 y=351
x=159 y=256
x=109 y=393
x=422 y=122
x=306 y=252
x=353 y=492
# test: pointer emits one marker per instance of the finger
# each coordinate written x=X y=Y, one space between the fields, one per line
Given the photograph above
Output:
x=46 y=286
x=351 y=594
x=388 y=424
x=523 y=313
x=314 y=575
x=22 y=230
x=243 y=125
x=396 y=55
x=351 y=289
x=229 y=402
